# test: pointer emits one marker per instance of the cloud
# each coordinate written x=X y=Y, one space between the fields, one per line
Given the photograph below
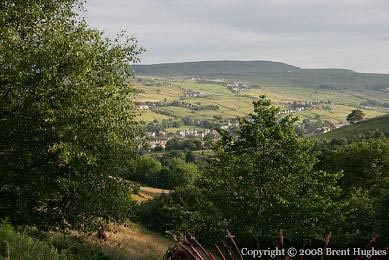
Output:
x=307 y=33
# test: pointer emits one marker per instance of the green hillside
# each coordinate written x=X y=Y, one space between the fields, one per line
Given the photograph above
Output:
x=338 y=91
x=214 y=68
x=270 y=73
x=379 y=123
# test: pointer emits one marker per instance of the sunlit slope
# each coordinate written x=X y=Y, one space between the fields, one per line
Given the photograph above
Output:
x=352 y=131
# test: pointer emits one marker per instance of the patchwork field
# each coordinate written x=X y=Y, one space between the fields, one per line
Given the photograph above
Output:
x=232 y=105
x=209 y=83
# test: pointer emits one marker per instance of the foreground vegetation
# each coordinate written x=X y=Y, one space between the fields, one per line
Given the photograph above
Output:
x=71 y=160
x=129 y=241
x=68 y=123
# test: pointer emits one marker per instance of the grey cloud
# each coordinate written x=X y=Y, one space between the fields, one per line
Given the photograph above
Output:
x=307 y=33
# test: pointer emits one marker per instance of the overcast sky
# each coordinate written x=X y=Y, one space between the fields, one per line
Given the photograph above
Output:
x=351 y=34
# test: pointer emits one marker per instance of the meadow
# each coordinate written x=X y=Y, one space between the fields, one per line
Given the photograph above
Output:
x=353 y=131
x=232 y=104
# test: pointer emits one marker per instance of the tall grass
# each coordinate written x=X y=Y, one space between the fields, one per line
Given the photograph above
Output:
x=129 y=241
x=20 y=246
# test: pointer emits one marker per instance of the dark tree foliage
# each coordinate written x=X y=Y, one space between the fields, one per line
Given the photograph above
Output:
x=264 y=179
x=365 y=166
x=66 y=117
x=145 y=170
x=185 y=209
x=174 y=172
x=355 y=116
x=183 y=144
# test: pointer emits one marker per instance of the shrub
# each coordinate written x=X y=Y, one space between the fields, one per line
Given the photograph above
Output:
x=21 y=246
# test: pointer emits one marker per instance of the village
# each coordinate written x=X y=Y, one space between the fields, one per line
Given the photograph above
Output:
x=158 y=139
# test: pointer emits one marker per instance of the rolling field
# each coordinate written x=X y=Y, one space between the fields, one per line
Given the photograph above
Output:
x=344 y=89
x=232 y=105
x=350 y=131
x=149 y=116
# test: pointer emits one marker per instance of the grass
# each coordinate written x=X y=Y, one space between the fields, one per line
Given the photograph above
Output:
x=337 y=114
x=148 y=193
x=232 y=105
x=350 y=131
x=149 y=116
x=132 y=241
x=128 y=241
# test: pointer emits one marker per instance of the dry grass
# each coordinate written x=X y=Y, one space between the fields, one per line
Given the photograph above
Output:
x=131 y=241
x=148 y=193
x=152 y=193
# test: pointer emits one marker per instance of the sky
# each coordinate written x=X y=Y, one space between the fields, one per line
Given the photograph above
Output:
x=351 y=34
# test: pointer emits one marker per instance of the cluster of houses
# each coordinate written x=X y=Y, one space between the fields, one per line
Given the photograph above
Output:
x=160 y=138
x=192 y=94
x=291 y=111
x=197 y=133
x=236 y=86
x=230 y=125
x=322 y=130
x=142 y=107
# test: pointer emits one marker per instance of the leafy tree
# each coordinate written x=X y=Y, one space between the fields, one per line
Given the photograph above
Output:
x=190 y=157
x=382 y=211
x=179 y=173
x=67 y=117
x=355 y=116
x=170 y=155
x=365 y=166
x=181 y=144
x=145 y=169
x=263 y=179
x=185 y=209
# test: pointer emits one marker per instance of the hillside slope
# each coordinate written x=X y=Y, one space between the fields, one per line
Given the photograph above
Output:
x=132 y=241
x=351 y=131
x=270 y=73
x=214 y=67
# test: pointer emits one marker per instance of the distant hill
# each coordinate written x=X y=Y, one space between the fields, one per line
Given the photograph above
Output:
x=270 y=73
x=348 y=132
x=214 y=67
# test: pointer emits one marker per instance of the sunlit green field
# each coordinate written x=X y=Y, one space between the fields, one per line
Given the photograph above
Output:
x=232 y=105
x=350 y=131
x=149 y=116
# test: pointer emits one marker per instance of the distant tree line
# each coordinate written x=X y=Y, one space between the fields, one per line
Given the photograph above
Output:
x=374 y=103
x=173 y=169
x=185 y=121
x=178 y=103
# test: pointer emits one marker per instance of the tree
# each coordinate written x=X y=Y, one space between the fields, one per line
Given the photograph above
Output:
x=355 y=116
x=67 y=117
x=365 y=166
x=190 y=157
x=263 y=179
x=382 y=210
x=179 y=173
x=145 y=169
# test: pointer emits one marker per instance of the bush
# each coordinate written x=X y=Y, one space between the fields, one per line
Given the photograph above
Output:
x=186 y=209
x=21 y=246
x=178 y=173
x=76 y=247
